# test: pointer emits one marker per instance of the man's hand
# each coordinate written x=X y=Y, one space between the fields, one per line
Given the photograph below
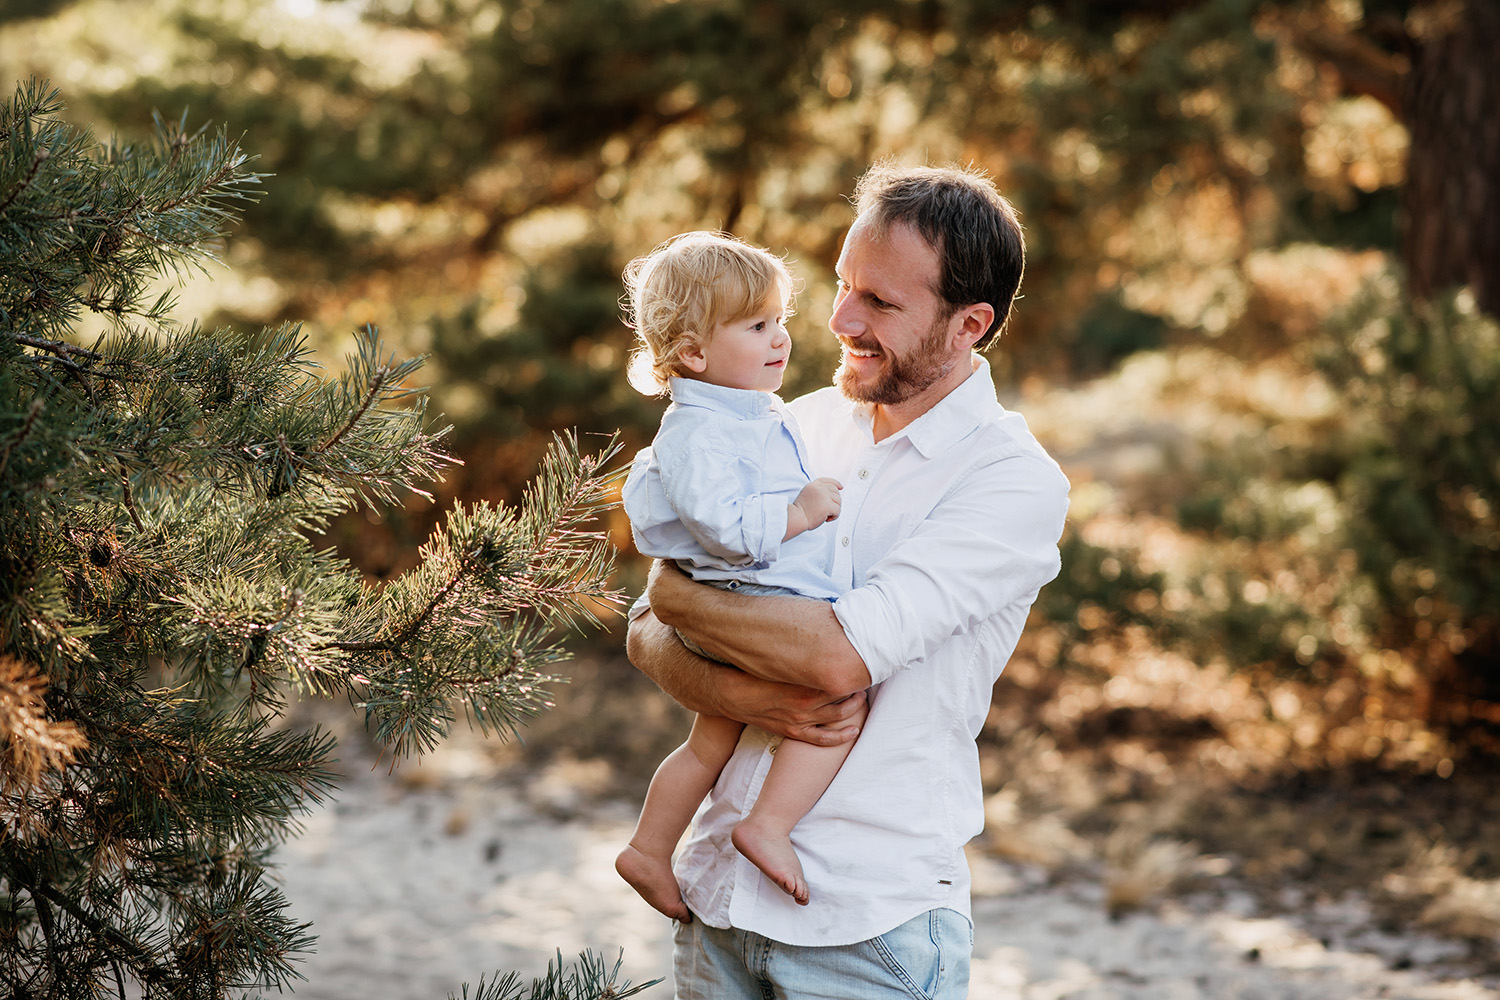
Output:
x=789 y=710
x=665 y=584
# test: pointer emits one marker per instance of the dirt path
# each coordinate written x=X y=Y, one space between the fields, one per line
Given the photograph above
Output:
x=414 y=890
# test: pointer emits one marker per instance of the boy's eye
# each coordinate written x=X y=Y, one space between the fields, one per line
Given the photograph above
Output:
x=759 y=326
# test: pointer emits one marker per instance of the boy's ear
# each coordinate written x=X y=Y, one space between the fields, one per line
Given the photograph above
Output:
x=691 y=356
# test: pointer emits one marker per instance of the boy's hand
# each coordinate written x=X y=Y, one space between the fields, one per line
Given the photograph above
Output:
x=820 y=501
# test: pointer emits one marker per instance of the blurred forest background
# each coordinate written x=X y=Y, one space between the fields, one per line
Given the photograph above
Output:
x=1257 y=330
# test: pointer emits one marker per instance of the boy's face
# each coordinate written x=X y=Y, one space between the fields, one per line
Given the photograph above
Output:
x=745 y=353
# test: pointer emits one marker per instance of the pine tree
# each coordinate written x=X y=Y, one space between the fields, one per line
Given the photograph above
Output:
x=160 y=598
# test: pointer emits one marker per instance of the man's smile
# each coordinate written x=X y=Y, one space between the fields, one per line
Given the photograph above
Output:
x=860 y=352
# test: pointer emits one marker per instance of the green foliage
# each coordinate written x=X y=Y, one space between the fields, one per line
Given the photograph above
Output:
x=160 y=597
x=1098 y=586
x=130 y=215
x=560 y=364
x=1110 y=332
x=1369 y=221
x=1093 y=118
x=587 y=979
x=1422 y=473
x=553 y=74
x=1272 y=582
x=1369 y=529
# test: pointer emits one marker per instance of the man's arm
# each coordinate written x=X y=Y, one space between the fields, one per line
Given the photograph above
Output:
x=704 y=686
x=792 y=640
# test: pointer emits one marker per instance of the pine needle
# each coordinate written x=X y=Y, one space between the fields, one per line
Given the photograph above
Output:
x=33 y=743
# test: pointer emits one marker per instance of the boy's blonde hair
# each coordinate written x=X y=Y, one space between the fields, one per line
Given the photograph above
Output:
x=676 y=295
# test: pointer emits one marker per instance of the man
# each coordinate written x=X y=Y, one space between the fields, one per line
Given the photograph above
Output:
x=949 y=526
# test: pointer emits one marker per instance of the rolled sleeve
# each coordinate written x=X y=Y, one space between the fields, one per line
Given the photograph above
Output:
x=711 y=492
x=989 y=544
x=763 y=526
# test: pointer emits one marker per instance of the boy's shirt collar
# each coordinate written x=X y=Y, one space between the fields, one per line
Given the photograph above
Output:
x=742 y=403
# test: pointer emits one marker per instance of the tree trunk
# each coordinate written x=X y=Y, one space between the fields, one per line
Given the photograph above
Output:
x=1452 y=196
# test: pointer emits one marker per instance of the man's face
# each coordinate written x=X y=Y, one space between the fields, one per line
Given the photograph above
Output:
x=892 y=325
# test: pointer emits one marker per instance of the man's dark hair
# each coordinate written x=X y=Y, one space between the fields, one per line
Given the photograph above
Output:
x=958 y=212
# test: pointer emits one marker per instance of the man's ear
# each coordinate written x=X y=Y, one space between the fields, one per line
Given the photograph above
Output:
x=974 y=323
x=691 y=356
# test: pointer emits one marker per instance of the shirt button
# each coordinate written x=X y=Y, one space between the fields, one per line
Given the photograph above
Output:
x=846 y=541
x=864 y=473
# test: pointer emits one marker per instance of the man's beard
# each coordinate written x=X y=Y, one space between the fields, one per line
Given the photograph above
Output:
x=899 y=378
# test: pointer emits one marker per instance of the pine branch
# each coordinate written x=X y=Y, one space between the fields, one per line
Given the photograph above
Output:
x=19 y=437
x=126 y=495
x=588 y=979
x=49 y=931
x=394 y=644
x=57 y=347
x=34 y=743
x=377 y=382
x=159 y=490
x=547 y=573
x=208 y=184
x=41 y=156
x=142 y=961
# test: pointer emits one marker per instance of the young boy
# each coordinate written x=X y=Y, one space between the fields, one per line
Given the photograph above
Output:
x=725 y=493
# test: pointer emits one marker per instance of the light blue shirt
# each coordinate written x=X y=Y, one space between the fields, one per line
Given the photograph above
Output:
x=712 y=490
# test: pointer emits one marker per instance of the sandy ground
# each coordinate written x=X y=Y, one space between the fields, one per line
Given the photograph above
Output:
x=420 y=882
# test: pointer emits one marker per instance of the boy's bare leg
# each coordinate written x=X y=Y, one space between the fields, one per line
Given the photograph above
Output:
x=679 y=785
x=798 y=777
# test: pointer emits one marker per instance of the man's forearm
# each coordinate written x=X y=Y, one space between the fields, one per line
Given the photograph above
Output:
x=690 y=680
x=791 y=640
x=717 y=689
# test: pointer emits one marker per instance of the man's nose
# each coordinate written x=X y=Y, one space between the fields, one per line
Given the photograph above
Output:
x=842 y=320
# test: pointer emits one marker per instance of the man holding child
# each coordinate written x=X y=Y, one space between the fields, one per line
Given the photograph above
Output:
x=951 y=513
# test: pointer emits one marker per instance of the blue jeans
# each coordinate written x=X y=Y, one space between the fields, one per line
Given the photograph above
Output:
x=926 y=958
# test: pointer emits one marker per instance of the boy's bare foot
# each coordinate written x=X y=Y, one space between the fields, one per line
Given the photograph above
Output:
x=774 y=855
x=653 y=879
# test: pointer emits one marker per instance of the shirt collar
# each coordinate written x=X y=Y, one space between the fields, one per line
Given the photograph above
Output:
x=952 y=418
x=741 y=403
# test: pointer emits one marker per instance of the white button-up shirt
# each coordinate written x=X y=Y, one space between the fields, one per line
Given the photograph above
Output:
x=711 y=492
x=948 y=530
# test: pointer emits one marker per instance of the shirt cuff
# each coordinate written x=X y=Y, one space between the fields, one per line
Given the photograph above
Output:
x=764 y=527
x=867 y=628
